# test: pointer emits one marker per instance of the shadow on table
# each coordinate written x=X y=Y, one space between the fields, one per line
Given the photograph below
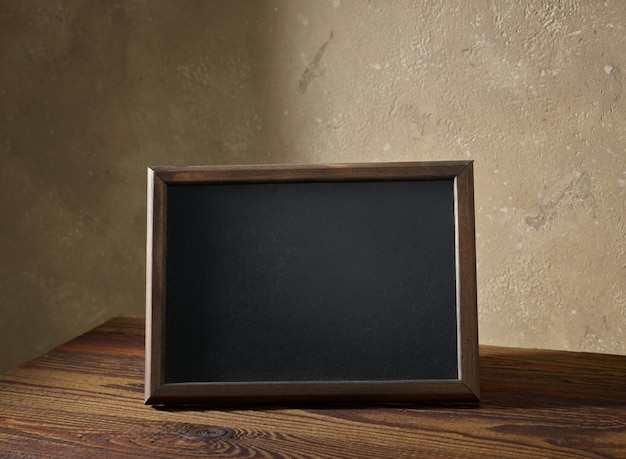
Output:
x=509 y=378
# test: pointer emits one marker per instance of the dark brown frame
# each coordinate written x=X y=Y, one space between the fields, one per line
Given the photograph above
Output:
x=465 y=388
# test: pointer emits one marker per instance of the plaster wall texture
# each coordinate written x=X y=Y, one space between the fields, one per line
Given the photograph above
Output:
x=94 y=92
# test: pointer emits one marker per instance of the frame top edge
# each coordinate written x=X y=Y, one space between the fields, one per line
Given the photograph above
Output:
x=301 y=166
x=428 y=170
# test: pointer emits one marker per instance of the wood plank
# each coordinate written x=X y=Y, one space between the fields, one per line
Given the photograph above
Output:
x=85 y=399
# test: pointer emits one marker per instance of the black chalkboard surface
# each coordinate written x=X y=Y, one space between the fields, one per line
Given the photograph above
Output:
x=311 y=283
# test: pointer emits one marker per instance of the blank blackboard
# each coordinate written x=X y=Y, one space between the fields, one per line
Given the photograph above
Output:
x=310 y=283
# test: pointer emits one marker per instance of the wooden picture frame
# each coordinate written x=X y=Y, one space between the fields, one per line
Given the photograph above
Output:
x=311 y=283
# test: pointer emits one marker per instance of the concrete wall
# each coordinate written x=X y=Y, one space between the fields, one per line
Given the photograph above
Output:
x=94 y=91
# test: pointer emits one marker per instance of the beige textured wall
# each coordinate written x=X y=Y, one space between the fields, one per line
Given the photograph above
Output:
x=94 y=91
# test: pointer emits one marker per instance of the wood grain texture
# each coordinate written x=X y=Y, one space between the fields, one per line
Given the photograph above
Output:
x=85 y=399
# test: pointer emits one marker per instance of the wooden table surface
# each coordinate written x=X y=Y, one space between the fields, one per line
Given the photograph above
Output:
x=85 y=399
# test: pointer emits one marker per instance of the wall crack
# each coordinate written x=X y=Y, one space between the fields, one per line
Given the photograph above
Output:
x=578 y=194
x=313 y=69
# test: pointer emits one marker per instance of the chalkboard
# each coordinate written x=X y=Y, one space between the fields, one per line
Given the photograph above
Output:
x=320 y=283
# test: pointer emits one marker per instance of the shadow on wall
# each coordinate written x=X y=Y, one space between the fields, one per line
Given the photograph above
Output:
x=93 y=93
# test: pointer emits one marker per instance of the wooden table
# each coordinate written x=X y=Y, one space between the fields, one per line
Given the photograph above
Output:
x=85 y=399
